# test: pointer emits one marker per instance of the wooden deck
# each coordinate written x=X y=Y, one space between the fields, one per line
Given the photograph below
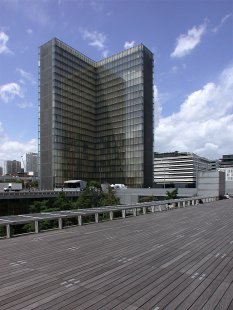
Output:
x=181 y=259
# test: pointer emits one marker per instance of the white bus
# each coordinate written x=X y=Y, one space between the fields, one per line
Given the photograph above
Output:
x=72 y=186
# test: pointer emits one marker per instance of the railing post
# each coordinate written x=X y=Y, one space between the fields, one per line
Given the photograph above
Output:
x=36 y=227
x=183 y=203
x=8 y=231
x=134 y=211
x=144 y=210
x=123 y=214
x=97 y=217
x=60 y=223
x=153 y=209
x=80 y=220
x=193 y=202
x=111 y=215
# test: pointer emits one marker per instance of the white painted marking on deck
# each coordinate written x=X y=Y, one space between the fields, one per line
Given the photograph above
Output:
x=217 y=254
x=221 y=228
x=37 y=239
x=63 y=283
x=194 y=275
x=224 y=255
x=124 y=260
x=198 y=233
x=174 y=259
x=156 y=308
x=73 y=248
x=202 y=276
x=70 y=283
x=17 y=263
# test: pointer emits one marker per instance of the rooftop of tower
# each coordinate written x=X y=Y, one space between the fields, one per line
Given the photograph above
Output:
x=102 y=61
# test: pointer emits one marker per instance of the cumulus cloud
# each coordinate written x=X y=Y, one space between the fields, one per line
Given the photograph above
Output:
x=204 y=124
x=222 y=22
x=96 y=39
x=3 y=43
x=10 y=91
x=12 y=150
x=129 y=44
x=26 y=75
x=187 y=42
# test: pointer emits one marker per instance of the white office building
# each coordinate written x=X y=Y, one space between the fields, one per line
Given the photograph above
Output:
x=178 y=169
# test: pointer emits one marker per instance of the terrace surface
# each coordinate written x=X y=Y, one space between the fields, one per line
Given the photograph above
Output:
x=180 y=259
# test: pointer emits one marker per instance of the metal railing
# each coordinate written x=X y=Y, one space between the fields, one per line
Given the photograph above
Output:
x=79 y=214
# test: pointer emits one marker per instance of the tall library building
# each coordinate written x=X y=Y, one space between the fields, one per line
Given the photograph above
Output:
x=95 y=118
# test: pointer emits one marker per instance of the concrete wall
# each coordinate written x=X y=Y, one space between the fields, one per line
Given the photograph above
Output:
x=211 y=183
x=131 y=195
x=229 y=187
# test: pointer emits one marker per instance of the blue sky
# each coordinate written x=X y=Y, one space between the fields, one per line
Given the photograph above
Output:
x=192 y=42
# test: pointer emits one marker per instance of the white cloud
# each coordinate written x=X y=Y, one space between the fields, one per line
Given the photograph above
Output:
x=3 y=43
x=25 y=105
x=96 y=6
x=26 y=75
x=11 y=150
x=29 y=31
x=204 y=124
x=129 y=44
x=223 y=20
x=97 y=40
x=10 y=91
x=187 y=42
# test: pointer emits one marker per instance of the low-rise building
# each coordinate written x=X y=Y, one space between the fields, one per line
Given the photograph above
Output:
x=178 y=169
x=226 y=165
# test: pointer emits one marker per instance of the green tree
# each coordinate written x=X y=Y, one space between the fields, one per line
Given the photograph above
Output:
x=93 y=196
x=90 y=196
x=172 y=194
x=109 y=199
x=61 y=203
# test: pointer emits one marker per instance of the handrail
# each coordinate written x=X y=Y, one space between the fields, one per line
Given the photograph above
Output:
x=154 y=206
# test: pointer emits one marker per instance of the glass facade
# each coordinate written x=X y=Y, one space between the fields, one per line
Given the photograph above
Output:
x=96 y=118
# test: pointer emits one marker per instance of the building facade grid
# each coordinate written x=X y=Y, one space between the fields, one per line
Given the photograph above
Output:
x=96 y=118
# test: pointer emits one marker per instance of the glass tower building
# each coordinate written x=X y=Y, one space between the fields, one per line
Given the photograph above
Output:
x=95 y=118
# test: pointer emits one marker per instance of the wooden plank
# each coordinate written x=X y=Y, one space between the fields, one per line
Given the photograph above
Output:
x=174 y=260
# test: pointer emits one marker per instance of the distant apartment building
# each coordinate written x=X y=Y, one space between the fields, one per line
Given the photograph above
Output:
x=1 y=171
x=96 y=118
x=178 y=169
x=12 y=167
x=32 y=163
x=226 y=165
